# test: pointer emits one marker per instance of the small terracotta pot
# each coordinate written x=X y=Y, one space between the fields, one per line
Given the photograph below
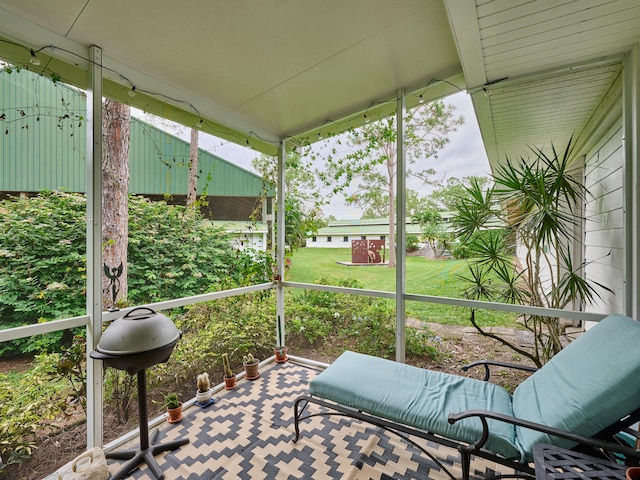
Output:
x=230 y=382
x=633 y=473
x=175 y=414
x=251 y=371
x=281 y=354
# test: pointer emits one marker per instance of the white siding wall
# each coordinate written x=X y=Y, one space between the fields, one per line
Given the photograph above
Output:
x=337 y=241
x=604 y=233
x=255 y=241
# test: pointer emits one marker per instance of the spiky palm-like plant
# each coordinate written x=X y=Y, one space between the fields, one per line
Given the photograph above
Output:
x=540 y=202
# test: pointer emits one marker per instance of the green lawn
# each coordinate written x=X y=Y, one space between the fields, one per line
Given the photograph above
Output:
x=424 y=276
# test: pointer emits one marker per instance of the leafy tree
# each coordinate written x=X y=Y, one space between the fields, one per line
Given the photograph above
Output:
x=298 y=223
x=379 y=207
x=446 y=196
x=433 y=230
x=300 y=180
x=372 y=165
x=302 y=197
x=541 y=202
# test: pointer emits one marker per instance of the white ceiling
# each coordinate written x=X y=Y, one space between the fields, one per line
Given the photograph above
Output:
x=258 y=71
x=277 y=68
x=538 y=70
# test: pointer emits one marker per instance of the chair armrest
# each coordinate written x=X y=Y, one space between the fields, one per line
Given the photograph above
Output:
x=487 y=363
x=483 y=415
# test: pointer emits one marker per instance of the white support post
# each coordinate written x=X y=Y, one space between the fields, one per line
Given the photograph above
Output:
x=631 y=132
x=280 y=246
x=94 y=246
x=401 y=215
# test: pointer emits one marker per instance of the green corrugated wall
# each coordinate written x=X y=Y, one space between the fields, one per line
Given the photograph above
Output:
x=42 y=147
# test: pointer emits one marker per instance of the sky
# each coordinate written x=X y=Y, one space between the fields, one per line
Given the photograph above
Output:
x=463 y=156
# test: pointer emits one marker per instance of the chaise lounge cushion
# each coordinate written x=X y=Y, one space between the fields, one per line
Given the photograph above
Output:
x=586 y=387
x=417 y=397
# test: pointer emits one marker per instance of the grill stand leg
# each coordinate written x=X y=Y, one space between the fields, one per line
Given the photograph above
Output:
x=148 y=449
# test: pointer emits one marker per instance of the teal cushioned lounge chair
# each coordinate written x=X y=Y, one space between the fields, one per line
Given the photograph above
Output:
x=584 y=396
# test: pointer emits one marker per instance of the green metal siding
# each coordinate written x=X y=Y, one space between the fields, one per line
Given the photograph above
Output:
x=159 y=164
x=44 y=149
x=42 y=145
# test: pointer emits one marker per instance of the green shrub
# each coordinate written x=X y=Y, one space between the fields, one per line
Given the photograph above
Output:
x=235 y=325
x=460 y=251
x=172 y=253
x=250 y=267
x=363 y=324
x=412 y=243
x=42 y=257
x=24 y=408
x=308 y=328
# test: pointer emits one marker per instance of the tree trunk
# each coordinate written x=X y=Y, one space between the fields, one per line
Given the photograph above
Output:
x=391 y=174
x=115 y=185
x=392 y=227
x=192 y=184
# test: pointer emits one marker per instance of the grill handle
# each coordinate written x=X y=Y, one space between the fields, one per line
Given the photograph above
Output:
x=136 y=315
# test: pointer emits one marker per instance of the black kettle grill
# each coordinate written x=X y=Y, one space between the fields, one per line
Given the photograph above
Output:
x=138 y=340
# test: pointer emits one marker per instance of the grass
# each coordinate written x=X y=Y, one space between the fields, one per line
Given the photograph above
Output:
x=423 y=276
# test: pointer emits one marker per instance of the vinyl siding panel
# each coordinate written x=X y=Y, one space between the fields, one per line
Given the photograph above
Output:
x=604 y=227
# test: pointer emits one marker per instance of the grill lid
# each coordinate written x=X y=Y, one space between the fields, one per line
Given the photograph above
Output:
x=140 y=330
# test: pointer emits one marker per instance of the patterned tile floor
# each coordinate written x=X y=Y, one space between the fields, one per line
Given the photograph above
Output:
x=248 y=432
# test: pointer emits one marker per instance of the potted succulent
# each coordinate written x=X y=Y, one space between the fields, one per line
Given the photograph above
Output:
x=250 y=365
x=174 y=407
x=203 y=394
x=229 y=376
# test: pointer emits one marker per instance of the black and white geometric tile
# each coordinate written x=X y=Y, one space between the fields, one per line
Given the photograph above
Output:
x=248 y=434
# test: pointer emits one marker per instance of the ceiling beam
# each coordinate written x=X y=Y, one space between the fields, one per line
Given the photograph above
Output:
x=466 y=33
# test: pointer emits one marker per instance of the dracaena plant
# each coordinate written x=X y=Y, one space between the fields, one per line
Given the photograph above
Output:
x=539 y=201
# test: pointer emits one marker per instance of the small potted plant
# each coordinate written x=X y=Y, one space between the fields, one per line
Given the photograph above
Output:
x=203 y=394
x=250 y=365
x=281 y=354
x=280 y=351
x=229 y=376
x=174 y=407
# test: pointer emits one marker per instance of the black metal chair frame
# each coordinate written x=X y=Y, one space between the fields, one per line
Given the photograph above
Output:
x=603 y=444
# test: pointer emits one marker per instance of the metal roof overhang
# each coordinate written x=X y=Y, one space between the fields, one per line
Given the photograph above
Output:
x=255 y=72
